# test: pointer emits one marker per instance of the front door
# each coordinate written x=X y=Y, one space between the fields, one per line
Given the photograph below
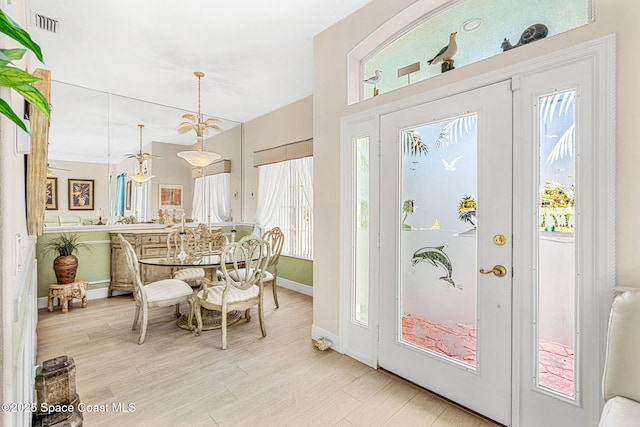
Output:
x=446 y=249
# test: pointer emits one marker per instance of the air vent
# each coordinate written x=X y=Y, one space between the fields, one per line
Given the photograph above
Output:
x=46 y=23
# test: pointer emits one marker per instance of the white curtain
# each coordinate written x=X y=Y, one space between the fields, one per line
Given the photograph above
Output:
x=214 y=198
x=271 y=180
x=304 y=170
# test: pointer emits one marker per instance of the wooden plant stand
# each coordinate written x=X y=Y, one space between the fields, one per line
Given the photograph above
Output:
x=66 y=293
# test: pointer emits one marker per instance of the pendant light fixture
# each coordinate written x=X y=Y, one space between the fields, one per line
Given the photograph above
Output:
x=140 y=178
x=199 y=158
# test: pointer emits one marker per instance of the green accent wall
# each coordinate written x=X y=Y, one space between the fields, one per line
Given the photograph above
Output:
x=94 y=260
x=296 y=269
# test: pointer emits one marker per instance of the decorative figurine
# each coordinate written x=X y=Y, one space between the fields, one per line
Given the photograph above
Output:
x=374 y=80
x=532 y=33
x=446 y=54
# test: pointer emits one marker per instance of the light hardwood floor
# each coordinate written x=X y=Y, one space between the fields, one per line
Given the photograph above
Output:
x=177 y=379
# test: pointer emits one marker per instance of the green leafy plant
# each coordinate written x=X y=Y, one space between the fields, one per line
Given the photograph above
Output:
x=65 y=244
x=15 y=78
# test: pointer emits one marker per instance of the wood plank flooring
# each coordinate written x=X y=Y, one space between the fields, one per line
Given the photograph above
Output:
x=177 y=379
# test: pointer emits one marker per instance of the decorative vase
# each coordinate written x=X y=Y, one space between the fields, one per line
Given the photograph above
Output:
x=65 y=268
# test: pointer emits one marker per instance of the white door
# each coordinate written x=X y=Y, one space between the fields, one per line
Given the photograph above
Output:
x=446 y=218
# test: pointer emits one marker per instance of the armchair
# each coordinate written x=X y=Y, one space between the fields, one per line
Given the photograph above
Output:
x=621 y=379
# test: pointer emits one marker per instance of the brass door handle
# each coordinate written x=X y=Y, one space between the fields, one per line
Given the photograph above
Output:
x=498 y=270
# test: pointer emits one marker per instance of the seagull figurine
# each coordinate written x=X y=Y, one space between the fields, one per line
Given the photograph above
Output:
x=447 y=52
x=374 y=80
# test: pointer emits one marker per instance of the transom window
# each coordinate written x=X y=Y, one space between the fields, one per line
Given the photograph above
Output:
x=404 y=45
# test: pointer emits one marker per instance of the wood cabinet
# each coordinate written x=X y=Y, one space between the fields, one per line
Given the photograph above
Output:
x=147 y=244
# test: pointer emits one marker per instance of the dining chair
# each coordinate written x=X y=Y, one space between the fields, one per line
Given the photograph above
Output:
x=275 y=238
x=186 y=239
x=163 y=293
x=241 y=286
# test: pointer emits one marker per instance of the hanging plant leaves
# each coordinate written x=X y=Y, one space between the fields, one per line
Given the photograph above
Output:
x=6 y=110
x=13 y=30
x=9 y=55
x=14 y=77
x=34 y=97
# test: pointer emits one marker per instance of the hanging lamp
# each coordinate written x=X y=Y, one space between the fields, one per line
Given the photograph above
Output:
x=198 y=158
x=140 y=177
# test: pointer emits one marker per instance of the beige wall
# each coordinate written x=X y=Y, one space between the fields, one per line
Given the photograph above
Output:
x=291 y=123
x=330 y=104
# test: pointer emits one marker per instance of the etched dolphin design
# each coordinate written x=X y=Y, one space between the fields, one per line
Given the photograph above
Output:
x=437 y=257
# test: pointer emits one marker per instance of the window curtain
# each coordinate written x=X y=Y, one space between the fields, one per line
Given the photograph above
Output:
x=271 y=180
x=304 y=171
x=139 y=201
x=211 y=194
x=119 y=208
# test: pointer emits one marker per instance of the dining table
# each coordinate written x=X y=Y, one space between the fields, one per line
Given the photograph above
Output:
x=211 y=319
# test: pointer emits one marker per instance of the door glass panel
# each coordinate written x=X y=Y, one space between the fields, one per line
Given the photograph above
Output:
x=556 y=244
x=438 y=238
x=360 y=310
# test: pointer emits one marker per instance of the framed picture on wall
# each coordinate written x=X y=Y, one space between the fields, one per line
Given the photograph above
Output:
x=51 y=198
x=127 y=196
x=81 y=194
x=170 y=196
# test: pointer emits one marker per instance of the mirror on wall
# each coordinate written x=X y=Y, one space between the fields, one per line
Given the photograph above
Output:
x=92 y=132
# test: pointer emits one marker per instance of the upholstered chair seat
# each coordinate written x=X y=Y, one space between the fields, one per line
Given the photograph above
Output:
x=162 y=293
x=189 y=274
x=240 y=288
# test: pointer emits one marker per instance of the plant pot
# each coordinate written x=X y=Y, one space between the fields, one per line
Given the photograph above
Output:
x=65 y=268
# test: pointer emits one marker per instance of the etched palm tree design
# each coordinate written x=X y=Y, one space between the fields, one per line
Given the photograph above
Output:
x=467 y=210
x=408 y=207
x=558 y=105
x=456 y=129
x=412 y=143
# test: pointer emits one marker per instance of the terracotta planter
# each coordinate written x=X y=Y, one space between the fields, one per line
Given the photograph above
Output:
x=65 y=268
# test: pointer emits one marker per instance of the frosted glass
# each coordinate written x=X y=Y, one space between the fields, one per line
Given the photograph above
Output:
x=438 y=239
x=360 y=310
x=500 y=19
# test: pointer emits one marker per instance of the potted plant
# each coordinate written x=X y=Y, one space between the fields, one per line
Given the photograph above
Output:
x=66 y=264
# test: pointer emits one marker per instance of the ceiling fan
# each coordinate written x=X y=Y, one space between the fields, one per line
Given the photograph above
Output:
x=51 y=168
x=140 y=156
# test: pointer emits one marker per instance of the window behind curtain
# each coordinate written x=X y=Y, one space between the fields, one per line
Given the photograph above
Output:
x=294 y=216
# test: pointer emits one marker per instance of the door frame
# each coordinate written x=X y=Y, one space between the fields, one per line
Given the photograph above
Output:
x=360 y=342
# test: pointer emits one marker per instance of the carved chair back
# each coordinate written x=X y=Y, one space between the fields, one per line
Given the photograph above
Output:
x=275 y=238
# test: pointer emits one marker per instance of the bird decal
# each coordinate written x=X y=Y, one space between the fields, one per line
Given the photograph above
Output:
x=450 y=166
x=437 y=257
x=447 y=52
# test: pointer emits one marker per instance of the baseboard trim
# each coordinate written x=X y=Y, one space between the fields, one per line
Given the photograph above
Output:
x=295 y=286
x=103 y=292
x=91 y=294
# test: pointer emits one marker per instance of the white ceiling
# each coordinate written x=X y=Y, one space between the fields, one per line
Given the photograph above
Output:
x=256 y=55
